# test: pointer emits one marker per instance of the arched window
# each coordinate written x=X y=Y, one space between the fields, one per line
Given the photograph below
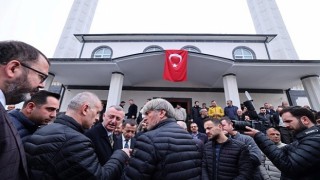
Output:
x=153 y=48
x=191 y=49
x=243 y=53
x=102 y=52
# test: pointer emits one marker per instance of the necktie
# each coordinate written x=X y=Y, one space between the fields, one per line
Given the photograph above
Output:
x=126 y=145
x=111 y=140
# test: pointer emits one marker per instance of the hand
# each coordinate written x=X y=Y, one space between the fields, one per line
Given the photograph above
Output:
x=250 y=131
x=127 y=151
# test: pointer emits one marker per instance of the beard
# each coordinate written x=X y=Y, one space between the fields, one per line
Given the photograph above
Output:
x=18 y=90
x=214 y=137
x=300 y=128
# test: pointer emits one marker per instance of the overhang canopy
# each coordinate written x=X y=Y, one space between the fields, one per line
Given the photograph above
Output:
x=204 y=71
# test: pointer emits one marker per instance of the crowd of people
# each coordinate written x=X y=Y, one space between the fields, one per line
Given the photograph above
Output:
x=157 y=142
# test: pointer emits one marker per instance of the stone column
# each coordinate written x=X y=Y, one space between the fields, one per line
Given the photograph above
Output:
x=230 y=87
x=311 y=86
x=115 y=89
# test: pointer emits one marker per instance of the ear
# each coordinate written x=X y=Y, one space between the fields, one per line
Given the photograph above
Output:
x=30 y=107
x=163 y=113
x=12 y=68
x=305 y=120
x=85 y=109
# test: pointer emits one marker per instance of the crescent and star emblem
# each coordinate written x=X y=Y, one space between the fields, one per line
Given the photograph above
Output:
x=175 y=59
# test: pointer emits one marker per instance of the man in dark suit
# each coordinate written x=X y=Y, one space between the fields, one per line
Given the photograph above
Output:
x=23 y=70
x=102 y=135
x=132 y=110
x=196 y=134
x=126 y=139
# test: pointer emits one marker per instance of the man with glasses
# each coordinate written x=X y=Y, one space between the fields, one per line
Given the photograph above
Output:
x=199 y=120
x=165 y=151
x=196 y=134
x=23 y=70
x=301 y=158
x=102 y=134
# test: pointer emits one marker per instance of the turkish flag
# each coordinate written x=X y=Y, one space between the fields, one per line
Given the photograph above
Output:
x=175 y=66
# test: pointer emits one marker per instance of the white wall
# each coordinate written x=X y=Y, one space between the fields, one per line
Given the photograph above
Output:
x=221 y=49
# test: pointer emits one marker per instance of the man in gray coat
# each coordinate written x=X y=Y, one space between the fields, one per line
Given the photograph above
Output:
x=267 y=168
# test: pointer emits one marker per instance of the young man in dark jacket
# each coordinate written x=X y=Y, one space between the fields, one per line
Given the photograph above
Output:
x=223 y=157
x=40 y=110
x=61 y=151
x=165 y=151
x=301 y=158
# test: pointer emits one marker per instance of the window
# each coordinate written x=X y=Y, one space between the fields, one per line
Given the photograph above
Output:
x=153 y=48
x=191 y=49
x=102 y=52
x=243 y=53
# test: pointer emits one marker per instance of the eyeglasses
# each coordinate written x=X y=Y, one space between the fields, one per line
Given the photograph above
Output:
x=42 y=76
x=110 y=116
x=274 y=134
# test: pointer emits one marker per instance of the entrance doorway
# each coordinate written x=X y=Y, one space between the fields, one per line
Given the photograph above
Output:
x=184 y=102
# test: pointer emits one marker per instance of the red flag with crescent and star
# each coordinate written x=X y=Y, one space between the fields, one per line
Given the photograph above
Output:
x=175 y=66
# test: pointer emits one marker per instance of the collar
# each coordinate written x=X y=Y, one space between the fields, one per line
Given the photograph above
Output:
x=307 y=132
x=2 y=99
x=124 y=139
x=164 y=122
x=195 y=134
x=109 y=132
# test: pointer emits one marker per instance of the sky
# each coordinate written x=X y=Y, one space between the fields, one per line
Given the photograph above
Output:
x=40 y=22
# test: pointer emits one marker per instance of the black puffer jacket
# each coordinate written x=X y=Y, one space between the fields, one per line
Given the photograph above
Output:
x=61 y=151
x=165 y=152
x=233 y=163
x=298 y=160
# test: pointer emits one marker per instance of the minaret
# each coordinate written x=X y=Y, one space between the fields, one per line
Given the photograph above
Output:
x=267 y=20
x=78 y=22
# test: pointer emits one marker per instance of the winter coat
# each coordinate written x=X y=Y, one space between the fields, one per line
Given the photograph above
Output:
x=165 y=152
x=233 y=161
x=298 y=160
x=61 y=151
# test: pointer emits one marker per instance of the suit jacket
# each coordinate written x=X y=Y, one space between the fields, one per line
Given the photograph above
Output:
x=99 y=137
x=203 y=137
x=132 y=111
x=13 y=164
x=118 y=143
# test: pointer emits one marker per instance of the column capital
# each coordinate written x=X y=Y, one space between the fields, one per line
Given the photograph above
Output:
x=229 y=74
x=308 y=76
x=117 y=72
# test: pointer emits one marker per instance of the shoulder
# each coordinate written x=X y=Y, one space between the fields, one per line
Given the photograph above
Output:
x=236 y=143
x=95 y=130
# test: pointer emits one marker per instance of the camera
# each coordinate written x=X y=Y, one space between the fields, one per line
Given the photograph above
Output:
x=241 y=125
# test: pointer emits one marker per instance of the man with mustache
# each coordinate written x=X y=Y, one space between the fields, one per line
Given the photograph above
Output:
x=23 y=70
x=301 y=158
x=40 y=110
x=102 y=135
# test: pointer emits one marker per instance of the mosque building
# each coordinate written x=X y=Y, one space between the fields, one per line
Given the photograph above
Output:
x=217 y=67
